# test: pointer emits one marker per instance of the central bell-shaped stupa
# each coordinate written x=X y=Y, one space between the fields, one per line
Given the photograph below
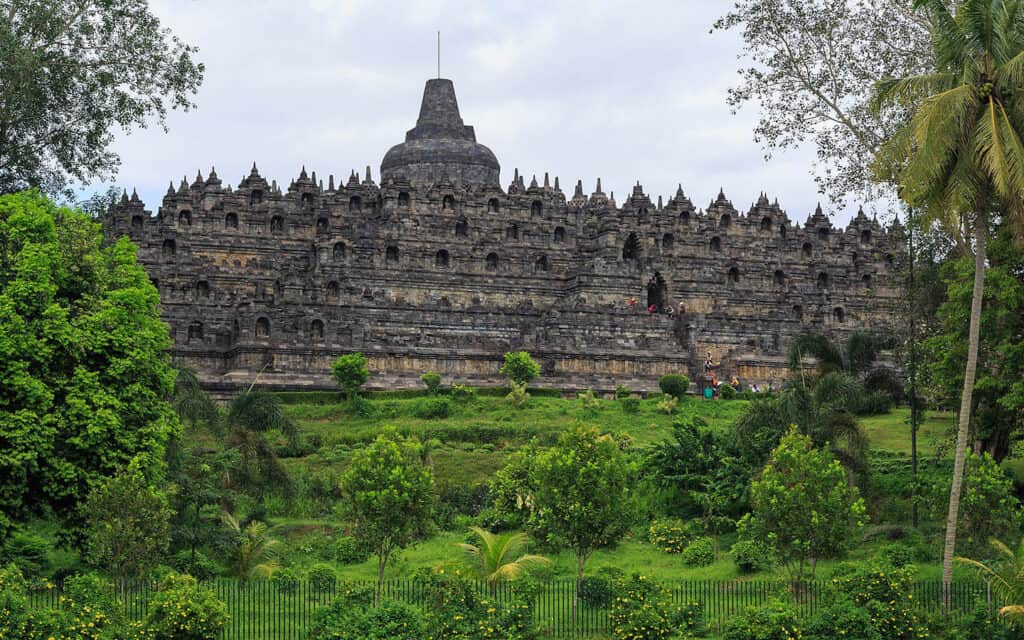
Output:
x=440 y=145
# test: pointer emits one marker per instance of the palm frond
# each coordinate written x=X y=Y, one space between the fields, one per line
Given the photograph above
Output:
x=192 y=404
x=816 y=346
x=261 y=411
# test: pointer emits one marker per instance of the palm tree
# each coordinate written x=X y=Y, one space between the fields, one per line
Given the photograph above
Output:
x=500 y=556
x=856 y=357
x=255 y=553
x=960 y=157
x=1006 y=577
x=193 y=405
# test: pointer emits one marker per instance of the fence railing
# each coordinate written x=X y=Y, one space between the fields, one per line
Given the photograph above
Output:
x=259 y=611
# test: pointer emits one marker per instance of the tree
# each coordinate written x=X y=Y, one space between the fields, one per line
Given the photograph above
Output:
x=73 y=72
x=960 y=158
x=855 y=357
x=127 y=525
x=199 y=495
x=520 y=367
x=390 y=497
x=85 y=375
x=193 y=405
x=501 y=556
x=1006 y=577
x=249 y=417
x=183 y=609
x=581 y=495
x=802 y=506
x=254 y=552
x=350 y=372
x=813 y=64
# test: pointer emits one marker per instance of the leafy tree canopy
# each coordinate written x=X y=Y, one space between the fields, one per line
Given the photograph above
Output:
x=73 y=72
x=84 y=372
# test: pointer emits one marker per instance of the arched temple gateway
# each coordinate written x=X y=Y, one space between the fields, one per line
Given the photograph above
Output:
x=439 y=268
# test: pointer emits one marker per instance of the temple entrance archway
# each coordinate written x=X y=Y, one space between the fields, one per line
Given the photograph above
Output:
x=657 y=292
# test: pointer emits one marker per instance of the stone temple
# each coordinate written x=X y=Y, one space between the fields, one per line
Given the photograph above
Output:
x=439 y=268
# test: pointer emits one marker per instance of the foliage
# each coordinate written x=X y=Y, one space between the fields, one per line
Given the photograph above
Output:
x=520 y=367
x=462 y=393
x=195 y=564
x=351 y=372
x=988 y=507
x=622 y=391
x=454 y=609
x=498 y=557
x=348 y=550
x=884 y=593
x=183 y=609
x=74 y=76
x=812 y=66
x=1005 y=576
x=346 y=619
x=670 y=535
x=249 y=417
x=193 y=405
x=598 y=591
x=645 y=610
x=699 y=553
x=84 y=370
x=518 y=397
x=198 y=494
x=27 y=552
x=88 y=610
x=253 y=552
x=727 y=392
x=674 y=384
x=390 y=496
x=127 y=525
x=630 y=405
x=322 y=578
x=981 y=624
x=776 y=620
x=15 y=617
x=285 y=581
x=802 y=505
x=752 y=556
x=432 y=381
x=842 y=619
x=668 y=405
x=432 y=408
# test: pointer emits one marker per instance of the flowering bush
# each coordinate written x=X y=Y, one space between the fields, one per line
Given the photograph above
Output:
x=644 y=610
x=454 y=609
x=885 y=594
x=668 y=405
x=354 y=619
x=700 y=552
x=599 y=590
x=776 y=620
x=670 y=535
x=185 y=610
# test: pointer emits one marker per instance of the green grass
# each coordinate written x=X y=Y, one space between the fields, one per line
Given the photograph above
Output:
x=891 y=431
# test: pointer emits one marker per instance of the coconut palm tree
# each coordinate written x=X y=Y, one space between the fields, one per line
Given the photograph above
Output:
x=194 y=406
x=856 y=357
x=960 y=157
x=498 y=557
x=1006 y=577
x=255 y=553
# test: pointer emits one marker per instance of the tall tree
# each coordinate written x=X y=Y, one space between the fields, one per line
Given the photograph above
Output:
x=960 y=158
x=812 y=65
x=73 y=73
x=84 y=373
x=390 y=497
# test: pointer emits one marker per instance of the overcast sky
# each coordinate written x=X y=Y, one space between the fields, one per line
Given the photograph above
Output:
x=622 y=90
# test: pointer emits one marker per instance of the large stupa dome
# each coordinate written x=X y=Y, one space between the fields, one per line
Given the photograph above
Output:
x=440 y=145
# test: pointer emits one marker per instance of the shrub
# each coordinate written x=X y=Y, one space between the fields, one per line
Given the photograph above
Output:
x=185 y=610
x=896 y=555
x=872 y=403
x=285 y=581
x=432 y=381
x=630 y=405
x=622 y=391
x=644 y=610
x=435 y=408
x=727 y=392
x=670 y=535
x=589 y=403
x=518 y=397
x=199 y=566
x=674 y=384
x=347 y=550
x=700 y=552
x=981 y=624
x=350 y=372
x=520 y=367
x=88 y=609
x=346 y=619
x=322 y=578
x=668 y=405
x=598 y=591
x=15 y=620
x=885 y=594
x=774 y=621
x=360 y=407
x=462 y=393
x=842 y=620
x=454 y=608
x=752 y=556
x=29 y=553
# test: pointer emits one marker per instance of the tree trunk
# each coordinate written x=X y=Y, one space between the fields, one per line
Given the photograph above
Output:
x=962 y=433
x=382 y=559
x=911 y=315
x=580 y=561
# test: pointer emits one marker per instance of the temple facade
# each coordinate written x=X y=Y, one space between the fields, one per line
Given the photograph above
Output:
x=439 y=268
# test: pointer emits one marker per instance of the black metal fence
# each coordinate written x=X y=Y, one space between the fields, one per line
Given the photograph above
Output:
x=259 y=611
